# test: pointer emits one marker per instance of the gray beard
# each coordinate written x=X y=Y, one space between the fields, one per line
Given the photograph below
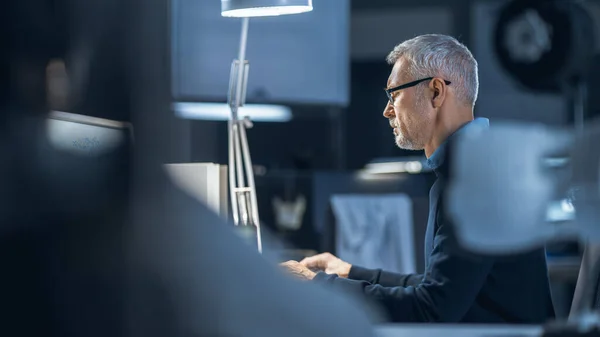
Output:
x=406 y=144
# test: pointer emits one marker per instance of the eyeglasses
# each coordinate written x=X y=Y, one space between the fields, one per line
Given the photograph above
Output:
x=389 y=92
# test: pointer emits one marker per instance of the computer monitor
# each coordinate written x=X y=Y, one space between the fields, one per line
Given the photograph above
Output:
x=86 y=135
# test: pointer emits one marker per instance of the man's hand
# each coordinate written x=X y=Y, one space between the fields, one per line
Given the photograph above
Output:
x=298 y=270
x=328 y=263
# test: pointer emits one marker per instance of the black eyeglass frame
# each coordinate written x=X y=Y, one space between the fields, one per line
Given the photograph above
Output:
x=389 y=91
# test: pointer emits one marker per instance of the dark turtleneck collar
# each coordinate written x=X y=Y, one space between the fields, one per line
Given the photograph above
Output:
x=438 y=158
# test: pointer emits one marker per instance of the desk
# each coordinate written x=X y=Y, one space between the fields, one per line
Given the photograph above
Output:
x=452 y=330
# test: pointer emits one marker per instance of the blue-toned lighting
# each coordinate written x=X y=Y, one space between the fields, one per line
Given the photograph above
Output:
x=259 y=8
x=222 y=111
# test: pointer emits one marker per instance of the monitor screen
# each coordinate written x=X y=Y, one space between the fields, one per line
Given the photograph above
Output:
x=85 y=135
x=301 y=58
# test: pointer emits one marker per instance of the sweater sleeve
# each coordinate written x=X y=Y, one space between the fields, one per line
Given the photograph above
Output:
x=384 y=278
x=446 y=292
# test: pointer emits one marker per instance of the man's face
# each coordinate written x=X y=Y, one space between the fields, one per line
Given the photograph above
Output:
x=411 y=116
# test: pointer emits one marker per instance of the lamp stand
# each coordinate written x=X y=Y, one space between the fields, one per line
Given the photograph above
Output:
x=242 y=189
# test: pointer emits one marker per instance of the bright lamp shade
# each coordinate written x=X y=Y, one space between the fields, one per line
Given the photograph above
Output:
x=257 y=8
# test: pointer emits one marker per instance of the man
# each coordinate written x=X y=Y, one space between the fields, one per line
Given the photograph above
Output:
x=432 y=90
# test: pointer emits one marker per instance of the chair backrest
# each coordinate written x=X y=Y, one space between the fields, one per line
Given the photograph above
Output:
x=587 y=290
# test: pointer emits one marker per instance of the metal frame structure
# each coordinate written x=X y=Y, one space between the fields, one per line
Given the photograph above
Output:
x=242 y=189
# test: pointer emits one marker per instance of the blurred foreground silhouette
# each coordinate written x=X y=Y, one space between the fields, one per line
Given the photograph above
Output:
x=104 y=245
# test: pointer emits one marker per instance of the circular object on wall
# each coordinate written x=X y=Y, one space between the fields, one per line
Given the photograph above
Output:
x=544 y=44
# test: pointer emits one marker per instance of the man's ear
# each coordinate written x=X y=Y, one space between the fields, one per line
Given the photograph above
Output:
x=440 y=90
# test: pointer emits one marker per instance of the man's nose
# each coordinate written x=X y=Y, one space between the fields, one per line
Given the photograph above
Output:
x=388 y=112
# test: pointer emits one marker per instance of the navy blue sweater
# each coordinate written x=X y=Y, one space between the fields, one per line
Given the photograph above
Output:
x=457 y=286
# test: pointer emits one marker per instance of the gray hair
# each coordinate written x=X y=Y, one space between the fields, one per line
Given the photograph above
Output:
x=434 y=55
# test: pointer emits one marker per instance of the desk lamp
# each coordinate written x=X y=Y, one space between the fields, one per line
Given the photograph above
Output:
x=242 y=189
